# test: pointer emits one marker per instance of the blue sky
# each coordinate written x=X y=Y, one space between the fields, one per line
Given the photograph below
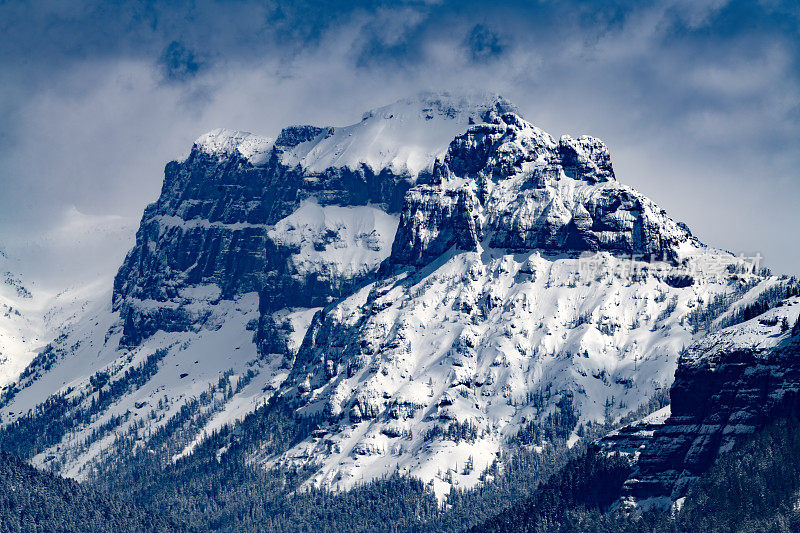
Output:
x=698 y=101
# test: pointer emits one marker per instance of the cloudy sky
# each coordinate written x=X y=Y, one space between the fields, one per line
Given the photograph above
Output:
x=699 y=101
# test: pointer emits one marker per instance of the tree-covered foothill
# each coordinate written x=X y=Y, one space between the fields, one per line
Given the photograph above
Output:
x=35 y=501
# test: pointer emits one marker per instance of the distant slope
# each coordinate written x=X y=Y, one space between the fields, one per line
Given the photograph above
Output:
x=48 y=281
x=20 y=322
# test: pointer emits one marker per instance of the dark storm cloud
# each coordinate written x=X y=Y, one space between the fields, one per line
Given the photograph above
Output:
x=483 y=43
x=698 y=101
x=180 y=63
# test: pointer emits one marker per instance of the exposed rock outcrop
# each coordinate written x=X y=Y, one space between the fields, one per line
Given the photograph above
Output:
x=727 y=386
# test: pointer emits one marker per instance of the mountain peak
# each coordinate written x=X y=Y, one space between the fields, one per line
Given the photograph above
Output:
x=221 y=142
x=467 y=108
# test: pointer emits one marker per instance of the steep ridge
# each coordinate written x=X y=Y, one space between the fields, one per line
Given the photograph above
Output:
x=422 y=285
x=728 y=385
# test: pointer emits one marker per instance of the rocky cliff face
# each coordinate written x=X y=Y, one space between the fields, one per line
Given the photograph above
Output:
x=503 y=184
x=727 y=386
x=510 y=185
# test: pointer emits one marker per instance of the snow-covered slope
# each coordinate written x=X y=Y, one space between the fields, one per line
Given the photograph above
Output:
x=490 y=340
x=214 y=368
x=335 y=241
x=424 y=283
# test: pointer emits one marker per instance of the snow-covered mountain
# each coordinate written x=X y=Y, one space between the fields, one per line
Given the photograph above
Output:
x=422 y=284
